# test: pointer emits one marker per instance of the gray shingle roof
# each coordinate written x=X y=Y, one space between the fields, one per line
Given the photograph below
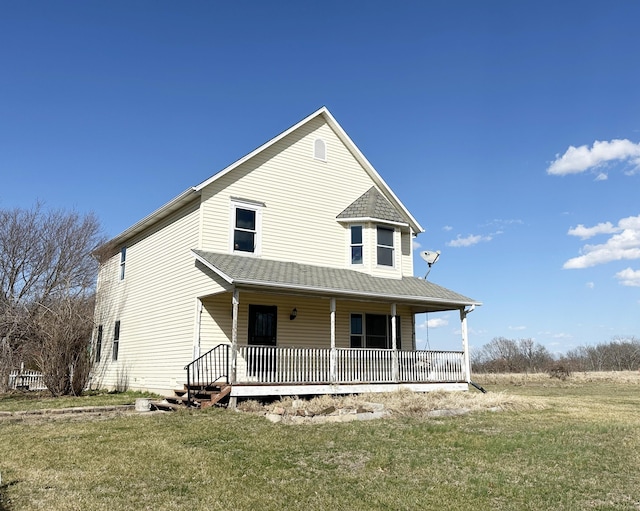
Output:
x=372 y=204
x=258 y=272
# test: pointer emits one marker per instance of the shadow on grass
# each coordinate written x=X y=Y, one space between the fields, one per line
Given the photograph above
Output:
x=5 y=502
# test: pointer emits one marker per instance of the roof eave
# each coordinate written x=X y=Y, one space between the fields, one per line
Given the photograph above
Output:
x=160 y=213
x=421 y=300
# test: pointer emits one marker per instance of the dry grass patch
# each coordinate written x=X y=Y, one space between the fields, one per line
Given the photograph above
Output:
x=575 y=378
x=402 y=403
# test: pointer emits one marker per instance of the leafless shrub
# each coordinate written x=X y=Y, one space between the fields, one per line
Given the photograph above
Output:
x=47 y=276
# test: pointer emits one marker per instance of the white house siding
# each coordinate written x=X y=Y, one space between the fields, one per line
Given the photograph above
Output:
x=155 y=304
x=310 y=329
x=302 y=198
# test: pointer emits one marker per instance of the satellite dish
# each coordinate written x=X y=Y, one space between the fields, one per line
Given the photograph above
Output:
x=430 y=257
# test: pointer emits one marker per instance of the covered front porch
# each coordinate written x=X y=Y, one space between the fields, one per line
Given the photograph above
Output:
x=267 y=371
x=282 y=328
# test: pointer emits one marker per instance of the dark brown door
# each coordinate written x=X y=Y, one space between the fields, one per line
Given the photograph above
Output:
x=263 y=323
x=263 y=326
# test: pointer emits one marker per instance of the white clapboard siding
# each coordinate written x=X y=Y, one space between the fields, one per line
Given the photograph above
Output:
x=155 y=305
x=302 y=197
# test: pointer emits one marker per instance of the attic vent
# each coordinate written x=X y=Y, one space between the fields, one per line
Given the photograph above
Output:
x=320 y=149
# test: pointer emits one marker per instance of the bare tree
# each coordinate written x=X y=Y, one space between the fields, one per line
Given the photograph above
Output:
x=511 y=356
x=46 y=272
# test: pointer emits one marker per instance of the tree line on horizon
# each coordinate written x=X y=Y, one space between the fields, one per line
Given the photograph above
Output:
x=502 y=355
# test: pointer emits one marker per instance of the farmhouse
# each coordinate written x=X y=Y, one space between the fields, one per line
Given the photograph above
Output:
x=289 y=272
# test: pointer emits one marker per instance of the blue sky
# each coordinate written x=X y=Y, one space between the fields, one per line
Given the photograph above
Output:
x=511 y=130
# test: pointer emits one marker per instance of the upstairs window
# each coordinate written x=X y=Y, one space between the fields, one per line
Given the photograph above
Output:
x=123 y=260
x=245 y=227
x=356 y=244
x=244 y=234
x=319 y=149
x=385 y=246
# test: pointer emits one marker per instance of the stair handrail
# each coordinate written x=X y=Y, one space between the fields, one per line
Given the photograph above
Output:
x=212 y=369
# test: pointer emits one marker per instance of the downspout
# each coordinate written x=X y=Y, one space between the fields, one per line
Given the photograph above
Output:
x=465 y=341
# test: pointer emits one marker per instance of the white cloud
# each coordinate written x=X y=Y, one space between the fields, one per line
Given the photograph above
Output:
x=447 y=228
x=629 y=277
x=517 y=328
x=415 y=244
x=588 y=232
x=434 y=323
x=625 y=244
x=602 y=177
x=562 y=335
x=472 y=239
x=580 y=159
x=590 y=285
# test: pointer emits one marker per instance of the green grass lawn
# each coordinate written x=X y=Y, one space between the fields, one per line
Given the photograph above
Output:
x=582 y=451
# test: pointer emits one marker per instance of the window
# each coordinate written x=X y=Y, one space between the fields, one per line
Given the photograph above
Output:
x=244 y=234
x=116 y=340
x=385 y=246
x=123 y=260
x=356 y=244
x=356 y=331
x=319 y=149
x=98 y=344
x=373 y=331
x=245 y=227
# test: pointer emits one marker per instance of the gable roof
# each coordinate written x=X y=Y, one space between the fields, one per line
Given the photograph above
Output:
x=342 y=135
x=194 y=191
x=320 y=280
x=372 y=205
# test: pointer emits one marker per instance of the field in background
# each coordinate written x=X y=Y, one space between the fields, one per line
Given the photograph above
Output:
x=575 y=447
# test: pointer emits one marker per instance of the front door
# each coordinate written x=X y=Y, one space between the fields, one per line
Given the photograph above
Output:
x=263 y=321
x=263 y=325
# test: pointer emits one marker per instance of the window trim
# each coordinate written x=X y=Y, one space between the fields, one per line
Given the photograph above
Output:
x=116 y=341
x=99 y=334
x=123 y=260
x=361 y=335
x=317 y=155
x=249 y=206
x=364 y=336
x=391 y=247
x=352 y=245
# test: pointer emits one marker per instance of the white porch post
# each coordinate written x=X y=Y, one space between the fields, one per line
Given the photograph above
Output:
x=394 y=345
x=332 y=358
x=234 y=336
x=465 y=342
x=197 y=329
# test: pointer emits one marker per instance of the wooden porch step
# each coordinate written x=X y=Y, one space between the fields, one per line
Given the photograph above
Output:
x=216 y=397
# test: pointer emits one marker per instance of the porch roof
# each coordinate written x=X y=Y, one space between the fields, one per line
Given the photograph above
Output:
x=283 y=275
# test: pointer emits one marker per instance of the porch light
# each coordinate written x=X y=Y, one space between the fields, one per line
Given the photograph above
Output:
x=294 y=314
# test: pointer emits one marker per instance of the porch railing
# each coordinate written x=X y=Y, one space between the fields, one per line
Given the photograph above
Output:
x=208 y=369
x=266 y=364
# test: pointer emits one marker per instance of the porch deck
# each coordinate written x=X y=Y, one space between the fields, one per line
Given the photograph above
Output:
x=264 y=370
